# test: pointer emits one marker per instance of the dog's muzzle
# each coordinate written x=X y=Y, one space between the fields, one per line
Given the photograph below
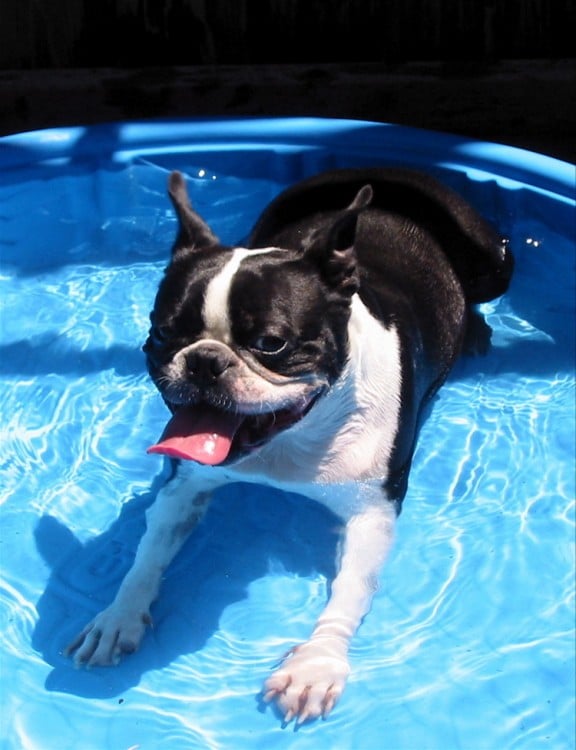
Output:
x=206 y=363
x=225 y=406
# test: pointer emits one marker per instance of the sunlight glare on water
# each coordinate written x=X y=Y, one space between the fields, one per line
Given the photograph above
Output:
x=470 y=641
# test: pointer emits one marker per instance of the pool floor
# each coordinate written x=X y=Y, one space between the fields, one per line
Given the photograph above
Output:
x=470 y=641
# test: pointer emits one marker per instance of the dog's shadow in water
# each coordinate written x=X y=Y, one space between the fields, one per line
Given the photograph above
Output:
x=247 y=530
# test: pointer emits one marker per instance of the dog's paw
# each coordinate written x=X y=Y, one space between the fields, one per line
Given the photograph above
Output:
x=112 y=633
x=310 y=680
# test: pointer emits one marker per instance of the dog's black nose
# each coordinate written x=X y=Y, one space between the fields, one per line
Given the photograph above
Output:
x=208 y=363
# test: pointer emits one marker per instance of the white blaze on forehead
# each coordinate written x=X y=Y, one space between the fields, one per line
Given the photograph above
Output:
x=215 y=309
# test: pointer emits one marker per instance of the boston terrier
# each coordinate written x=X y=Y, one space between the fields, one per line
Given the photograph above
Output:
x=303 y=361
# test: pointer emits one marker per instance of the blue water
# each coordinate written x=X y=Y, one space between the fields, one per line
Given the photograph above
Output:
x=470 y=641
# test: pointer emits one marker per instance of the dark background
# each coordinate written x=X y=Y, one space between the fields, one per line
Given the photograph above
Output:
x=500 y=70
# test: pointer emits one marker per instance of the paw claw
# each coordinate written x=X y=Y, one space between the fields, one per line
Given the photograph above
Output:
x=329 y=702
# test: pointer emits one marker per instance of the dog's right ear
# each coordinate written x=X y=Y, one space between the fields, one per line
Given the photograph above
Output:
x=331 y=246
x=193 y=232
x=362 y=199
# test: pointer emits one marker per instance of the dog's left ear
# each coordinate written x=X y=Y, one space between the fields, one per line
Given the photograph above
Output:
x=332 y=246
x=193 y=232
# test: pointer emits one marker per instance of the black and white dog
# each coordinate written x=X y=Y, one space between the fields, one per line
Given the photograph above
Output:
x=303 y=361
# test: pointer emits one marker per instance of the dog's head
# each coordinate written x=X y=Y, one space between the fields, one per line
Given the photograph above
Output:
x=243 y=342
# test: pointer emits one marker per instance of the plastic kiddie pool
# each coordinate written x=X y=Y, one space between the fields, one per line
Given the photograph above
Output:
x=470 y=640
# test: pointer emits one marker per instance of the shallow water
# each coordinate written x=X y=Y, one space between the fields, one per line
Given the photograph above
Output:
x=470 y=641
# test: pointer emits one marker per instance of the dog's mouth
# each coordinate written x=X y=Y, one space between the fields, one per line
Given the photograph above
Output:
x=212 y=436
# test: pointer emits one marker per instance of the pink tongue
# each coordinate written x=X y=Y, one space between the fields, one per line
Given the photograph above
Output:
x=198 y=433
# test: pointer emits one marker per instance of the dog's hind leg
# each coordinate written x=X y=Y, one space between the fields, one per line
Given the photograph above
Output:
x=314 y=674
x=119 y=628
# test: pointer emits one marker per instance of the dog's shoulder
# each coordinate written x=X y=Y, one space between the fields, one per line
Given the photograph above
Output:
x=403 y=201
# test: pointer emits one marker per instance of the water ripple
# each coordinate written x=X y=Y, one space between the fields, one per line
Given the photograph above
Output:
x=470 y=641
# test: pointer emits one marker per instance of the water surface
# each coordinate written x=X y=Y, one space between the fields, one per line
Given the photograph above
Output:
x=470 y=641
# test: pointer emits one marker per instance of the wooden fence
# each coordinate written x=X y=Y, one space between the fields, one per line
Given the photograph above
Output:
x=135 y=33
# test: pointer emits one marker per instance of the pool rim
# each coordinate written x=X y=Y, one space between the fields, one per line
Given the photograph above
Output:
x=120 y=141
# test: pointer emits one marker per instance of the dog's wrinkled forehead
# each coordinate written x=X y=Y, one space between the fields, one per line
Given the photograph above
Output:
x=216 y=307
x=220 y=292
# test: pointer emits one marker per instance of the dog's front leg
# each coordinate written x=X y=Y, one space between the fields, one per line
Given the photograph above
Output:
x=314 y=674
x=119 y=628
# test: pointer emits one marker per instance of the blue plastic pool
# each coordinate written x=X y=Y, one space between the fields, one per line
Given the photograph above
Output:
x=470 y=642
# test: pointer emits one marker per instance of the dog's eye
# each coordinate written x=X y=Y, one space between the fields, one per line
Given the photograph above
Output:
x=271 y=345
x=157 y=336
